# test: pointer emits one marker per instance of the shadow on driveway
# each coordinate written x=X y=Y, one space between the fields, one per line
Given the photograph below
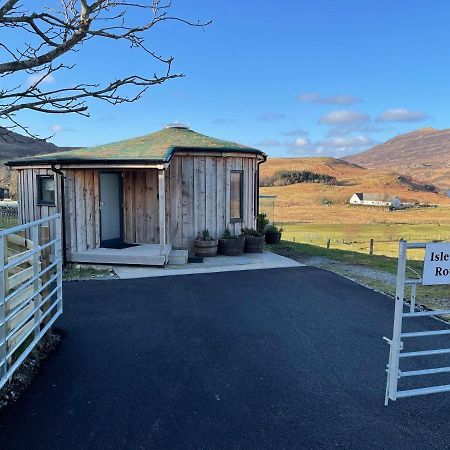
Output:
x=279 y=359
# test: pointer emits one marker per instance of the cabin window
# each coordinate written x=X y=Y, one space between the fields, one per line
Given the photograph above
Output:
x=46 y=190
x=236 y=195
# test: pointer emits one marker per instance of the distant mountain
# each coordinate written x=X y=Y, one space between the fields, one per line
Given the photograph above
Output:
x=423 y=155
x=327 y=203
x=14 y=145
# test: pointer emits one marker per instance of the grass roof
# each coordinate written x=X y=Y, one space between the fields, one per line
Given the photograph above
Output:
x=155 y=147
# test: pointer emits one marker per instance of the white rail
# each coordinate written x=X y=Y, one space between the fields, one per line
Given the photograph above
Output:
x=30 y=288
x=394 y=374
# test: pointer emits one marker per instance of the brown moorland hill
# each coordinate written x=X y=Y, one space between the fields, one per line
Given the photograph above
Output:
x=15 y=145
x=323 y=203
x=423 y=155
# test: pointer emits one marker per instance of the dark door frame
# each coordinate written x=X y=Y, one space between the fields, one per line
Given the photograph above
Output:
x=111 y=242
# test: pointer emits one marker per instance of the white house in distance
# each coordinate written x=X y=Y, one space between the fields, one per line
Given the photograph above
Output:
x=361 y=198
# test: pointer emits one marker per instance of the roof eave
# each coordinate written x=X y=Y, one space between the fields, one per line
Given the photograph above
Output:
x=166 y=158
x=69 y=161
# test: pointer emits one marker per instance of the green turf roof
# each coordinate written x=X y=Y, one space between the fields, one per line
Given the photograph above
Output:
x=158 y=147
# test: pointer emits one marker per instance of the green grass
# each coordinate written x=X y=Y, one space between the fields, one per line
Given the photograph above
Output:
x=380 y=262
x=357 y=237
x=8 y=222
x=73 y=274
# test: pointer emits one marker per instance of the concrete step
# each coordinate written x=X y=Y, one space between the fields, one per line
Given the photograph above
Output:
x=178 y=257
x=144 y=255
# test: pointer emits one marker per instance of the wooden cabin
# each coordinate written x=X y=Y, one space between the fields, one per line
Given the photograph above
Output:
x=134 y=201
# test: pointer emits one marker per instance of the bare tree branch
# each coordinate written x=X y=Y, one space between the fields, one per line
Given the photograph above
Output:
x=55 y=33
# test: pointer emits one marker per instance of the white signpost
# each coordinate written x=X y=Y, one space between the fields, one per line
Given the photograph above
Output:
x=436 y=266
x=436 y=271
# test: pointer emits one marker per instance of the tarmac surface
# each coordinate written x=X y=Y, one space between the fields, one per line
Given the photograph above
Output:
x=263 y=359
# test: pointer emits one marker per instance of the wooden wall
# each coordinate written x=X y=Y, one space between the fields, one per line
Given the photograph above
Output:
x=29 y=210
x=140 y=200
x=197 y=197
x=82 y=227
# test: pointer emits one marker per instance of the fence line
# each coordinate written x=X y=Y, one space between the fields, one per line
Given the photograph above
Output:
x=9 y=213
x=369 y=243
x=30 y=288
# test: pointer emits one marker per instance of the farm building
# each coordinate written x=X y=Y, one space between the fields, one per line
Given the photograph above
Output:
x=134 y=201
x=375 y=200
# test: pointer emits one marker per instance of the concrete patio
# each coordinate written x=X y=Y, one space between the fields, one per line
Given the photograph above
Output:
x=247 y=261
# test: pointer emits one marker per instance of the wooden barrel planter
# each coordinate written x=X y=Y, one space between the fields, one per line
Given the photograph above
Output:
x=231 y=247
x=205 y=248
x=273 y=238
x=254 y=244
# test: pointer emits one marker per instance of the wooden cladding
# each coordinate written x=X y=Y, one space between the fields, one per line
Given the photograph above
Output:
x=197 y=195
x=140 y=204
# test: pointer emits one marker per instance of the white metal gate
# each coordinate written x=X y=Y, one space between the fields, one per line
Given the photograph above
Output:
x=396 y=354
x=30 y=288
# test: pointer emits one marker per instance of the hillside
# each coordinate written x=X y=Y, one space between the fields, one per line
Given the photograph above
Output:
x=423 y=155
x=322 y=203
x=14 y=145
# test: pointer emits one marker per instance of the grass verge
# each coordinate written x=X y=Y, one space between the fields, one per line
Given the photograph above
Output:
x=87 y=273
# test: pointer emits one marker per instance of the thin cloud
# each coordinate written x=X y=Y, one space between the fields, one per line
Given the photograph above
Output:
x=57 y=128
x=39 y=77
x=336 y=146
x=345 y=143
x=344 y=100
x=401 y=115
x=345 y=130
x=271 y=116
x=296 y=132
x=268 y=142
x=300 y=142
x=343 y=117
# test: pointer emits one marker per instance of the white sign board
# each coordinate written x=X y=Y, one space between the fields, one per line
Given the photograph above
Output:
x=436 y=266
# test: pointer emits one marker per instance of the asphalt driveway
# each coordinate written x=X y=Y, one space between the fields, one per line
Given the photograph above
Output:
x=279 y=359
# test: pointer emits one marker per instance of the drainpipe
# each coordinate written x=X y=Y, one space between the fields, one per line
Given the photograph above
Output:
x=257 y=190
x=63 y=212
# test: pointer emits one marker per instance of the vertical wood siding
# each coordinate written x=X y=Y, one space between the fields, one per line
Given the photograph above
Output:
x=140 y=203
x=197 y=197
x=29 y=210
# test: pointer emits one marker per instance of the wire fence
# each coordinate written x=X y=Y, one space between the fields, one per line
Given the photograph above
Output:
x=371 y=246
x=9 y=215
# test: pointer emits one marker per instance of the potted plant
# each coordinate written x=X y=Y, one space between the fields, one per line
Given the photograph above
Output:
x=231 y=245
x=273 y=234
x=254 y=240
x=205 y=245
x=261 y=222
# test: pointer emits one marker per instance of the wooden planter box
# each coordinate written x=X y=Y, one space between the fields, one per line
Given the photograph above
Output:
x=273 y=238
x=231 y=247
x=254 y=244
x=205 y=248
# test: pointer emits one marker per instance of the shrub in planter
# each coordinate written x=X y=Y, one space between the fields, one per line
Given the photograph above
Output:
x=231 y=245
x=261 y=222
x=273 y=234
x=205 y=245
x=254 y=240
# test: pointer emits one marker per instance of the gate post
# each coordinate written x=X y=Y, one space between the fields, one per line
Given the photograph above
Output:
x=3 y=352
x=395 y=343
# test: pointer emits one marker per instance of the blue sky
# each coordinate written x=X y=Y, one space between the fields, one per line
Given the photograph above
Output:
x=294 y=78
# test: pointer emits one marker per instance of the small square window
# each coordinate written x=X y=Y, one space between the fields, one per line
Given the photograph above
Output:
x=46 y=190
